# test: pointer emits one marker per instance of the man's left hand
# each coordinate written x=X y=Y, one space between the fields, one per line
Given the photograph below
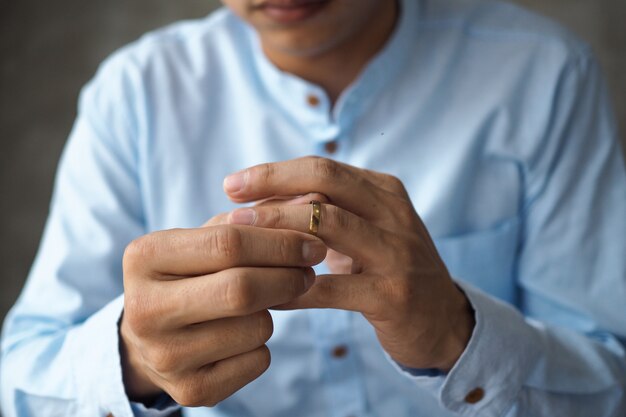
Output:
x=398 y=281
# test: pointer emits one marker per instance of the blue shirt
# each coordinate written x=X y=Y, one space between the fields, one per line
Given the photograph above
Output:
x=496 y=120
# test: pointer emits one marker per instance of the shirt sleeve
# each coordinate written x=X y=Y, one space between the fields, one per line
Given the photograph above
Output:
x=60 y=351
x=560 y=350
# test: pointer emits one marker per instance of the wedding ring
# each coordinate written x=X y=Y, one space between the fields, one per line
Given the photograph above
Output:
x=316 y=213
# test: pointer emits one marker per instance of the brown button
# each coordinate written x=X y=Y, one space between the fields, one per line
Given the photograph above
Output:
x=313 y=100
x=475 y=396
x=331 y=147
x=340 y=351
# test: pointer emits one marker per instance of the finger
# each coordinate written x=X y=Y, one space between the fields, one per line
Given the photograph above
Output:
x=344 y=292
x=338 y=263
x=230 y=293
x=343 y=185
x=217 y=220
x=177 y=253
x=295 y=200
x=222 y=218
x=340 y=230
x=212 y=341
x=214 y=383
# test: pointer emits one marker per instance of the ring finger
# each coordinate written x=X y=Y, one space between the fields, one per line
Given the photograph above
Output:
x=340 y=229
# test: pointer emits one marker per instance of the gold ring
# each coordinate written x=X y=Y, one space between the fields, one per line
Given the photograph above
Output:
x=316 y=214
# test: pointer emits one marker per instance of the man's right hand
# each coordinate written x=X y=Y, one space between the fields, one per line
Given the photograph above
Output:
x=195 y=319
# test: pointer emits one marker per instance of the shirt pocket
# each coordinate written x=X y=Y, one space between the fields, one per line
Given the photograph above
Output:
x=486 y=259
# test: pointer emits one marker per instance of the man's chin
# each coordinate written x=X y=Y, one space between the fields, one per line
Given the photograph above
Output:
x=305 y=45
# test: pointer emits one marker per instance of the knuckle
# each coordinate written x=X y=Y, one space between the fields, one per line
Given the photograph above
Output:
x=326 y=168
x=225 y=242
x=337 y=218
x=211 y=400
x=190 y=392
x=138 y=251
x=310 y=159
x=284 y=247
x=162 y=360
x=399 y=292
x=266 y=172
x=208 y=398
x=138 y=314
x=142 y=311
x=275 y=218
x=240 y=296
x=181 y=397
x=394 y=182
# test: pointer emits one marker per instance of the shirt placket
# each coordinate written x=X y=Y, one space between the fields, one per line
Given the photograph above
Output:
x=341 y=382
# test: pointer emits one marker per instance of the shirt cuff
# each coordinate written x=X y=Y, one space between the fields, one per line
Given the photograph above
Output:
x=428 y=379
x=163 y=407
x=97 y=368
x=501 y=354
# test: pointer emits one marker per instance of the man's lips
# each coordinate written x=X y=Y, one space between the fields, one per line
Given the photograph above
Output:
x=286 y=3
x=290 y=11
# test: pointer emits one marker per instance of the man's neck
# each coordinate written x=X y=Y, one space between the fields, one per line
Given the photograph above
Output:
x=334 y=70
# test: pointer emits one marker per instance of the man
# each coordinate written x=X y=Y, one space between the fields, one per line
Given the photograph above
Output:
x=469 y=191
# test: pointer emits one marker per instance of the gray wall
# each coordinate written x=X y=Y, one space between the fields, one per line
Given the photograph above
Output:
x=48 y=49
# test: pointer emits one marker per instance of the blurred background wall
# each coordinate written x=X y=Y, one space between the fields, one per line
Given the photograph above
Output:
x=48 y=50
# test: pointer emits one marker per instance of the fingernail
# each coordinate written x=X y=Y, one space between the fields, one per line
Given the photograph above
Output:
x=235 y=182
x=313 y=251
x=243 y=216
x=309 y=278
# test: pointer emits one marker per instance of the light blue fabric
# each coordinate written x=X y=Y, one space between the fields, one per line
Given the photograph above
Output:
x=499 y=125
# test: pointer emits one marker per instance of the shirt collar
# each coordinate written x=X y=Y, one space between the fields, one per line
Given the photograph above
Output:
x=308 y=106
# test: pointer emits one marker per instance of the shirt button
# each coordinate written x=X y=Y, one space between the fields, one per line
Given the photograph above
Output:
x=313 y=100
x=475 y=396
x=340 y=351
x=331 y=147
